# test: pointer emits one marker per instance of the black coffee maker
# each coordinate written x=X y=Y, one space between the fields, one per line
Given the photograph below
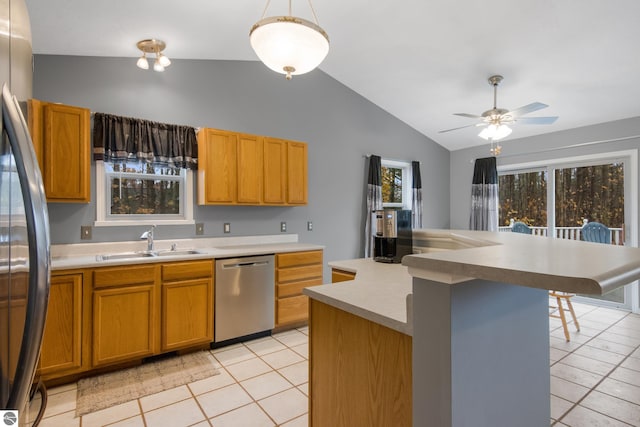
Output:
x=393 y=237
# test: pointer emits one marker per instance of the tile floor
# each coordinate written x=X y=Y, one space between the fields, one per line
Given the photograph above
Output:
x=595 y=381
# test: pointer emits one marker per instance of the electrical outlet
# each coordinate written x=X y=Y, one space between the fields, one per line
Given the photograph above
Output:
x=227 y=227
x=309 y=226
x=199 y=229
x=85 y=232
x=283 y=226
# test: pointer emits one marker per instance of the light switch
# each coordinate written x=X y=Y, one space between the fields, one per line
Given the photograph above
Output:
x=309 y=226
x=85 y=232
x=227 y=227
x=199 y=229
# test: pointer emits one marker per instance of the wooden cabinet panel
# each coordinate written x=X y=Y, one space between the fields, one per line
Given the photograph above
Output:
x=62 y=340
x=341 y=275
x=275 y=170
x=124 y=275
x=295 y=288
x=187 y=313
x=360 y=371
x=294 y=259
x=61 y=136
x=299 y=273
x=124 y=323
x=187 y=270
x=292 y=309
x=296 y=173
x=217 y=168
x=294 y=272
x=249 y=172
x=236 y=168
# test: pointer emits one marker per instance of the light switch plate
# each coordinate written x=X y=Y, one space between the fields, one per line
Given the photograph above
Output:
x=227 y=227
x=85 y=232
x=199 y=229
x=309 y=226
x=283 y=226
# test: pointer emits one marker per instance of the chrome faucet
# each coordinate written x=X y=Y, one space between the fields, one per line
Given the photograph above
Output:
x=149 y=236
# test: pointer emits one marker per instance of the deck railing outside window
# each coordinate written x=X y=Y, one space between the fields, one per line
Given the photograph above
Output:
x=571 y=233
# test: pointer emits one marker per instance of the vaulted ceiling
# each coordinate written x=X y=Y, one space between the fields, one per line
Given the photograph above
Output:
x=421 y=61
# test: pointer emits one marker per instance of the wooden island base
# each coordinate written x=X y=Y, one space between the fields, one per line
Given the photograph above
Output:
x=360 y=371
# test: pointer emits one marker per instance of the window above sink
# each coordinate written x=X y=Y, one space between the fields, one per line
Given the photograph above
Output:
x=136 y=193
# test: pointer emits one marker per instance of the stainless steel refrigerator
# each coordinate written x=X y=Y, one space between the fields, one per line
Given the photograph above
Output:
x=24 y=224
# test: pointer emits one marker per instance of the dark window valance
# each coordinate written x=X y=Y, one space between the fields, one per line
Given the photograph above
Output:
x=117 y=138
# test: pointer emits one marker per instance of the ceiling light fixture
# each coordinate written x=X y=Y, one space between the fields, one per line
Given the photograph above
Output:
x=156 y=47
x=495 y=132
x=289 y=45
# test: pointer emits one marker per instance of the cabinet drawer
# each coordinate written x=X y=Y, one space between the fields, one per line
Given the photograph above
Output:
x=295 y=288
x=298 y=258
x=341 y=276
x=124 y=275
x=187 y=270
x=294 y=309
x=298 y=273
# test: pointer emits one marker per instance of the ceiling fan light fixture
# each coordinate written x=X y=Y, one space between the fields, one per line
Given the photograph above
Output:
x=495 y=132
x=289 y=45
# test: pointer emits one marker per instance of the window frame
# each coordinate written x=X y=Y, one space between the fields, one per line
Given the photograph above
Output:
x=407 y=182
x=105 y=219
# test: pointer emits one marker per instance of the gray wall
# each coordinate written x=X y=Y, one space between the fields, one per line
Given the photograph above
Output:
x=586 y=140
x=339 y=126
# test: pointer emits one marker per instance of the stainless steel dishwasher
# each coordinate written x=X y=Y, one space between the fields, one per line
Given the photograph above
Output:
x=244 y=296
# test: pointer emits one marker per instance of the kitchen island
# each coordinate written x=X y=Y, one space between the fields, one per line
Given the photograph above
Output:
x=476 y=317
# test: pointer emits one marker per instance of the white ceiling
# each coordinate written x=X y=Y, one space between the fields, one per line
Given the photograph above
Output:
x=419 y=60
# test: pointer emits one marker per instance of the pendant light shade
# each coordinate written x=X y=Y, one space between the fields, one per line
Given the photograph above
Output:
x=289 y=45
x=142 y=62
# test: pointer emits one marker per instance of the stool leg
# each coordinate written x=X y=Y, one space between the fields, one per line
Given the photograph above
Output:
x=563 y=318
x=573 y=314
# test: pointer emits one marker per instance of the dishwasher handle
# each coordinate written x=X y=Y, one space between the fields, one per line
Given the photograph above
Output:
x=245 y=264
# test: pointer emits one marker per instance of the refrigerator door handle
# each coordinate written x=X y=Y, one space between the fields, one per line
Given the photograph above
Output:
x=36 y=214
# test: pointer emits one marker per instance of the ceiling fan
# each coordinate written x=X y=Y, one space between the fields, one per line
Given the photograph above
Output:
x=496 y=119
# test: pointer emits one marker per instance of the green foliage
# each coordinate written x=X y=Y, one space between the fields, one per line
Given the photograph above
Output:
x=391 y=185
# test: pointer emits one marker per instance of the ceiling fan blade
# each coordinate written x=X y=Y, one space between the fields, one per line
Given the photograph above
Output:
x=471 y=116
x=537 y=120
x=462 y=127
x=529 y=108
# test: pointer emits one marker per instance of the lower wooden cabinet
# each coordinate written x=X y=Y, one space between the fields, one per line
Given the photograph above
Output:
x=295 y=271
x=125 y=313
x=62 y=340
x=187 y=304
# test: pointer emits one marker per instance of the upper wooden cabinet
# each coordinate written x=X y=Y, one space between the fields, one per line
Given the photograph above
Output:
x=243 y=169
x=62 y=140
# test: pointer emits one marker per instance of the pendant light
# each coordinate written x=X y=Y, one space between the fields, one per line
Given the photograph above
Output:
x=289 y=45
x=156 y=47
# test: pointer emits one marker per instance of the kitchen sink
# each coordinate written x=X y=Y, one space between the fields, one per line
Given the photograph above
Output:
x=125 y=255
x=179 y=252
x=146 y=254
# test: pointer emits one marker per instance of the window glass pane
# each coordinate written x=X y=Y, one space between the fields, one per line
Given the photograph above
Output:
x=143 y=189
x=391 y=185
x=523 y=197
x=594 y=193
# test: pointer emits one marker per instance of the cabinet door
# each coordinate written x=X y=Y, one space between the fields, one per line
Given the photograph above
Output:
x=66 y=153
x=296 y=173
x=124 y=323
x=217 y=168
x=249 y=175
x=187 y=313
x=62 y=340
x=275 y=171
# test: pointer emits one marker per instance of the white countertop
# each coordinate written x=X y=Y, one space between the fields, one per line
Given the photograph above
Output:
x=380 y=292
x=383 y=292
x=84 y=255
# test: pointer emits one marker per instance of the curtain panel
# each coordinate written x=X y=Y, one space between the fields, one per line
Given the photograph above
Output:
x=374 y=200
x=416 y=195
x=117 y=138
x=484 y=195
